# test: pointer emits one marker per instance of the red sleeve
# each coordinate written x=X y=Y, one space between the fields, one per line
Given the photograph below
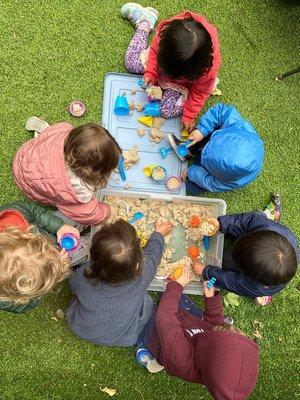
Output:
x=199 y=93
x=151 y=69
x=213 y=312
x=90 y=213
x=178 y=352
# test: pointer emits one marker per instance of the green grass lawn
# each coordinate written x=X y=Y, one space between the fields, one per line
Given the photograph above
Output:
x=52 y=52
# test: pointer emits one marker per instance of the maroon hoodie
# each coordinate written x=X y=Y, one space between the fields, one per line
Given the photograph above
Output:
x=225 y=362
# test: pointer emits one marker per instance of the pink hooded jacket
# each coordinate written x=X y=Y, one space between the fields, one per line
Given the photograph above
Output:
x=40 y=172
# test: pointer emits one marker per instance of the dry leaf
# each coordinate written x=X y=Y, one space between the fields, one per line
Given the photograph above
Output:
x=257 y=335
x=60 y=313
x=109 y=391
x=54 y=319
x=257 y=324
x=217 y=92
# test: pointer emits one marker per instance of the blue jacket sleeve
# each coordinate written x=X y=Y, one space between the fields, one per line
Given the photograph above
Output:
x=239 y=224
x=220 y=115
x=238 y=283
x=204 y=179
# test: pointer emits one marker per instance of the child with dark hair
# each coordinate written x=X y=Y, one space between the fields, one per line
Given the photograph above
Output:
x=263 y=258
x=110 y=305
x=63 y=166
x=198 y=347
x=184 y=59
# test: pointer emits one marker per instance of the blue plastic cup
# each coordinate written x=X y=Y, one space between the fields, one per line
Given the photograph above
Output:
x=152 y=109
x=121 y=106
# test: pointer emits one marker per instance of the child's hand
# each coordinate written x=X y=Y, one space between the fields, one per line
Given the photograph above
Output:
x=184 y=278
x=164 y=228
x=67 y=229
x=188 y=126
x=64 y=256
x=196 y=136
x=183 y=174
x=197 y=267
x=216 y=223
x=208 y=292
x=147 y=80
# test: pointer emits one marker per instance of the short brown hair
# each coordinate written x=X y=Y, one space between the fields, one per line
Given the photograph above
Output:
x=266 y=257
x=116 y=254
x=92 y=153
x=30 y=266
x=228 y=328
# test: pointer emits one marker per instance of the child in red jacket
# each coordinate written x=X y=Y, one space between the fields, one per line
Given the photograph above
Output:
x=203 y=349
x=184 y=59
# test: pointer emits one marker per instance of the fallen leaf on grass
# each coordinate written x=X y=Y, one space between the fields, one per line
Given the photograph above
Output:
x=257 y=324
x=109 y=391
x=54 y=319
x=257 y=335
x=60 y=313
x=231 y=299
x=217 y=92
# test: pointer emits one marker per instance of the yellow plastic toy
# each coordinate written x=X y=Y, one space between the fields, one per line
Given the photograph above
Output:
x=148 y=121
x=184 y=135
x=176 y=273
x=148 y=170
x=141 y=237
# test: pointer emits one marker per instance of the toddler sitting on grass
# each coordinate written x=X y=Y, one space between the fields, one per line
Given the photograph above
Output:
x=111 y=305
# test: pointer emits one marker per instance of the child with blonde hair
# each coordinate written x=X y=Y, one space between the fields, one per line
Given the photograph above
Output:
x=64 y=166
x=30 y=263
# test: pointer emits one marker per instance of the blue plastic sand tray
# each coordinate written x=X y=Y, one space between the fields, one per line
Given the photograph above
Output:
x=125 y=131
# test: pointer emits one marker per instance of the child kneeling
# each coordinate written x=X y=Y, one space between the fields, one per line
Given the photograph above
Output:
x=203 y=349
x=110 y=305
x=263 y=258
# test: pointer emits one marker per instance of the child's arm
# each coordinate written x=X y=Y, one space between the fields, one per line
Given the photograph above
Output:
x=235 y=282
x=151 y=69
x=239 y=224
x=90 y=213
x=176 y=348
x=203 y=178
x=37 y=215
x=213 y=312
x=218 y=116
x=153 y=251
x=198 y=95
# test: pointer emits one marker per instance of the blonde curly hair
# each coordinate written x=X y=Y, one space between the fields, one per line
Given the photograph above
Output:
x=30 y=266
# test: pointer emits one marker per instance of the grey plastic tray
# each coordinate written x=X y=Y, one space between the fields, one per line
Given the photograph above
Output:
x=124 y=129
x=215 y=251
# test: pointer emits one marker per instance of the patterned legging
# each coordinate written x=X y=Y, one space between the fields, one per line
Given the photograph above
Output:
x=139 y=42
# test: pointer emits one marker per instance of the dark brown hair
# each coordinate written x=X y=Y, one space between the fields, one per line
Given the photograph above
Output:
x=185 y=49
x=92 y=153
x=265 y=257
x=116 y=254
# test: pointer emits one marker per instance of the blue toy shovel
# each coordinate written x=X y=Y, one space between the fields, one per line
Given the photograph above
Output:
x=164 y=151
x=205 y=241
x=182 y=149
x=136 y=217
x=121 y=168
